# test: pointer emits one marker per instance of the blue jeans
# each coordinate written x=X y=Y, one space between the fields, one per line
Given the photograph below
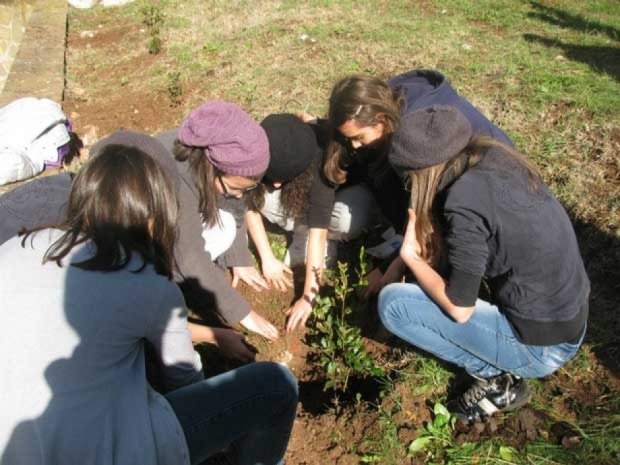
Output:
x=251 y=408
x=484 y=346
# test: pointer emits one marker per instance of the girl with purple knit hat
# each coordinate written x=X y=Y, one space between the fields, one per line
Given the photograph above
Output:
x=222 y=154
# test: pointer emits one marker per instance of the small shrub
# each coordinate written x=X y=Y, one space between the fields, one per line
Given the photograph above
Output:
x=175 y=89
x=335 y=337
x=153 y=18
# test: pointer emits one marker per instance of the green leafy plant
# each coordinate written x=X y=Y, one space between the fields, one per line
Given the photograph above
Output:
x=437 y=442
x=336 y=337
x=153 y=18
x=436 y=436
x=278 y=245
x=175 y=89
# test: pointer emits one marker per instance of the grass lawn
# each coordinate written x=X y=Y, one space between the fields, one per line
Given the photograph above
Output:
x=547 y=72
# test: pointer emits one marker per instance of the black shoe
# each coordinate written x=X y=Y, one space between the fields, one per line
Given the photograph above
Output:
x=486 y=396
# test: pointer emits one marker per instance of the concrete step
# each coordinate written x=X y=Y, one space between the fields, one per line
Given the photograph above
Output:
x=39 y=66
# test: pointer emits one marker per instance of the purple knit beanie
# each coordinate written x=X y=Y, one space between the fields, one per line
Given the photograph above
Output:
x=233 y=142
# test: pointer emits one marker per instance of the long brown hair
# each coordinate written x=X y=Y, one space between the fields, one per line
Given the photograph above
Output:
x=204 y=175
x=366 y=99
x=124 y=203
x=426 y=183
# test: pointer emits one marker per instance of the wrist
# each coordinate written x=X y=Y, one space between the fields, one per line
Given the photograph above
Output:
x=309 y=299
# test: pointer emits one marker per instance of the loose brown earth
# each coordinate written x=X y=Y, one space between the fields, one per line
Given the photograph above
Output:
x=326 y=431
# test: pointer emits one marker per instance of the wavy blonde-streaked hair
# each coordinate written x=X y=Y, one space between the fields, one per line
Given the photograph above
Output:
x=369 y=101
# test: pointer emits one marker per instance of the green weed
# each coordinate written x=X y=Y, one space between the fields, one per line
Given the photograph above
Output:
x=153 y=19
x=436 y=436
x=436 y=445
x=175 y=88
x=278 y=245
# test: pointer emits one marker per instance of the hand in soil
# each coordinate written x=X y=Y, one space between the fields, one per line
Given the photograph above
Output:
x=298 y=315
x=277 y=274
x=257 y=324
x=234 y=345
x=250 y=276
x=375 y=283
x=377 y=280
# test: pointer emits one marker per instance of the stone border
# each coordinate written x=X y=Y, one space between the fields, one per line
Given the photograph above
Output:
x=39 y=66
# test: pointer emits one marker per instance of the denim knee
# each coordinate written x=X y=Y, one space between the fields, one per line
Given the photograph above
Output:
x=384 y=306
x=389 y=315
x=282 y=378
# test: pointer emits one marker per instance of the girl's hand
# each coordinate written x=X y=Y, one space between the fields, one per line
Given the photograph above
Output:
x=250 y=276
x=233 y=344
x=377 y=280
x=257 y=324
x=410 y=248
x=277 y=274
x=374 y=278
x=298 y=314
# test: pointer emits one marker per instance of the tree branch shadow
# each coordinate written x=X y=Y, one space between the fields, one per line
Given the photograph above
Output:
x=602 y=59
x=564 y=19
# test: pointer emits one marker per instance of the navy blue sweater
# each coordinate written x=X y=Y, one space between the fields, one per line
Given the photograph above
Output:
x=421 y=89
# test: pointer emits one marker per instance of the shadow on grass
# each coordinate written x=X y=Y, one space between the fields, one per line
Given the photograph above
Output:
x=564 y=19
x=602 y=59
x=601 y=255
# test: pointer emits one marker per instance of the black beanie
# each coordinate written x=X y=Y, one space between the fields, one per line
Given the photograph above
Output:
x=428 y=137
x=292 y=146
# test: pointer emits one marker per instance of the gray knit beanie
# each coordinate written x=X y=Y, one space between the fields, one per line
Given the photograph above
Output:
x=232 y=141
x=428 y=137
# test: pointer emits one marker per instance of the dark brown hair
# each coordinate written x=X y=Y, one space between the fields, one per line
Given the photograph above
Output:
x=295 y=194
x=124 y=203
x=369 y=101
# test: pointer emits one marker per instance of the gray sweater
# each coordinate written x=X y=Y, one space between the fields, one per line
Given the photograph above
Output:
x=205 y=284
x=74 y=386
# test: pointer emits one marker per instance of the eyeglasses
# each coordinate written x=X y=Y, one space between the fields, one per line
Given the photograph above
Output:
x=234 y=191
